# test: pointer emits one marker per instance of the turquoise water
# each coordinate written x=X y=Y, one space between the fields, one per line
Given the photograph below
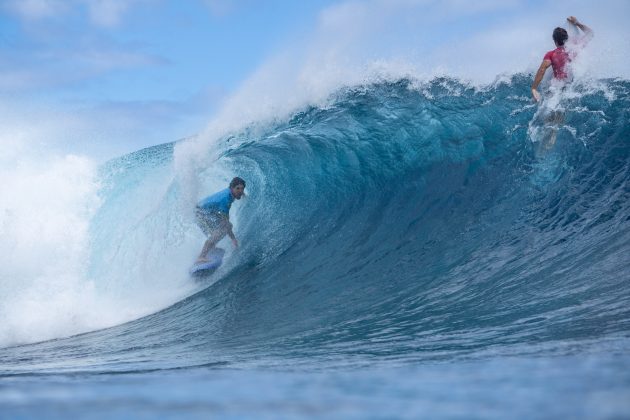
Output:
x=408 y=250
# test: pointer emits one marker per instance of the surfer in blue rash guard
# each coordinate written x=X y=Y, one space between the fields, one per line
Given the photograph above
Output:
x=212 y=216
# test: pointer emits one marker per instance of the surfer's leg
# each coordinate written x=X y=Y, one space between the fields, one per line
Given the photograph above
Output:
x=218 y=233
x=557 y=119
x=210 y=243
x=204 y=251
x=553 y=121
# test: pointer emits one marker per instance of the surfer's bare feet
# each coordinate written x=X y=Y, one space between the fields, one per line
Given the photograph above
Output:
x=201 y=260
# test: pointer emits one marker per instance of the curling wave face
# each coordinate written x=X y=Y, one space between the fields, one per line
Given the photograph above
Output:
x=402 y=222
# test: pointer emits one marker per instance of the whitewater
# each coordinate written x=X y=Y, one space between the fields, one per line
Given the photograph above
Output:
x=406 y=246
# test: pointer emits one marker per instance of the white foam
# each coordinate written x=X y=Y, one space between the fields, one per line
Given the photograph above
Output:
x=48 y=288
x=45 y=207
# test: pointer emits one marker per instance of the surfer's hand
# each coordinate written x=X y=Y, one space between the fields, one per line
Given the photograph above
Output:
x=536 y=95
x=235 y=242
x=573 y=20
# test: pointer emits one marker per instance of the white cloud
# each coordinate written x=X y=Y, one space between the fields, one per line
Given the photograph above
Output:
x=104 y=13
x=37 y=9
x=109 y=13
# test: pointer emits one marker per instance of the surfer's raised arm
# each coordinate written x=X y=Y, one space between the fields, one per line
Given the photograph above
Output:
x=587 y=31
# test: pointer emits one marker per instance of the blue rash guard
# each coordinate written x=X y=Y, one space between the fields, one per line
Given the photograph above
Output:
x=218 y=202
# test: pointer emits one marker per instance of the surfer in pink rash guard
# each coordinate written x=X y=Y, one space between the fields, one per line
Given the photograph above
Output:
x=559 y=58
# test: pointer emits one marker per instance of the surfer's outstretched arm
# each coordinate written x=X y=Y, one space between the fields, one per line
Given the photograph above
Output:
x=573 y=20
x=230 y=233
x=539 y=76
x=588 y=32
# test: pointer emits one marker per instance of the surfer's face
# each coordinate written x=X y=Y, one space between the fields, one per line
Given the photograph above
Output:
x=237 y=191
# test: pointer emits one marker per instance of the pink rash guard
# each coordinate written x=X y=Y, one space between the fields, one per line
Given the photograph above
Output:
x=559 y=59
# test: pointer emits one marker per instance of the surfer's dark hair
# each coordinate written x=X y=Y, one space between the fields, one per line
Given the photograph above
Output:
x=237 y=181
x=560 y=36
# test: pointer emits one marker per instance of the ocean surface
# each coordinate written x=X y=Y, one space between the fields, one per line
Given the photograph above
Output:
x=408 y=250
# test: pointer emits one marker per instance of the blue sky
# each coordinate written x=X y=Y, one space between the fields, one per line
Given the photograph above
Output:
x=147 y=49
x=106 y=77
x=144 y=60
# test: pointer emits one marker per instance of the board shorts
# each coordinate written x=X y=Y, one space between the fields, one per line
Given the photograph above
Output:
x=211 y=222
